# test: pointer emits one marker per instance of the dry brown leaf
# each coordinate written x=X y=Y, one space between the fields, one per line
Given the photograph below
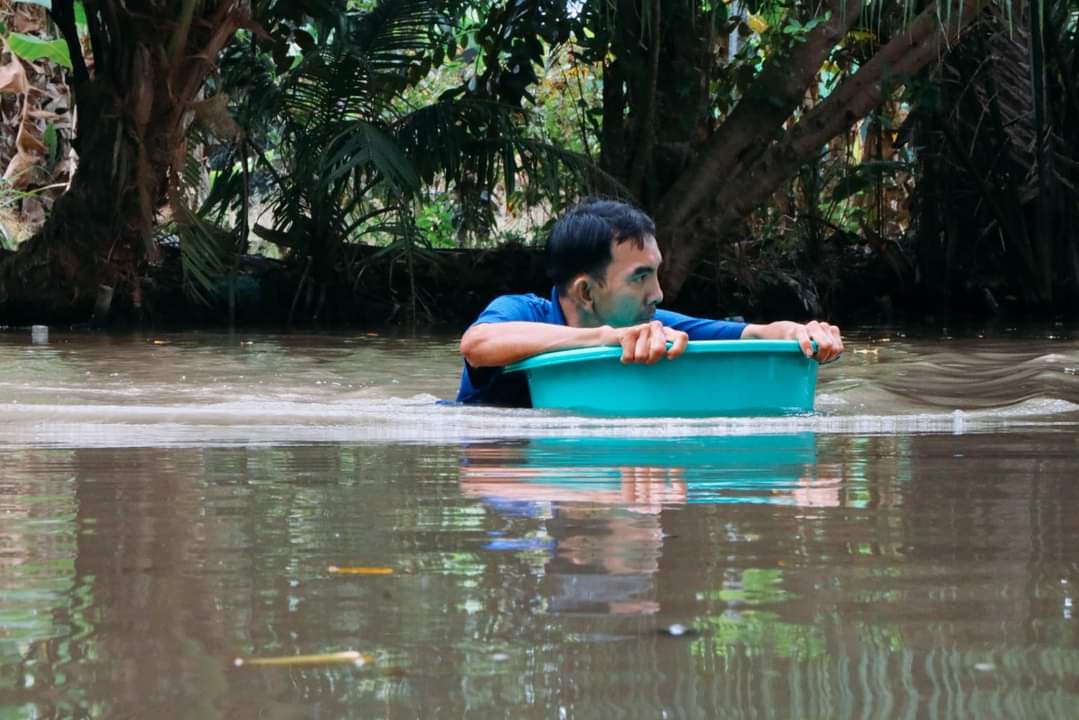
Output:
x=19 y=171
x=28 y=141
x=13 y=78
x=214 y=113
x=44 y=115
x=33 y=212
x=65 y=168
x=28 y=18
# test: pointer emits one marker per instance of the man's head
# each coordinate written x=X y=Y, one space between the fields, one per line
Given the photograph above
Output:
x=603 y=258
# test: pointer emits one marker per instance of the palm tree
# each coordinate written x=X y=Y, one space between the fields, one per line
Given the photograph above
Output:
x=350 y=162
x=355 y=157
x=148 y=64
x=1002 y=153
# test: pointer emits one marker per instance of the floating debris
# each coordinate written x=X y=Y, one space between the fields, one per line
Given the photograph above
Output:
x=515 y=544
x=677 y=630
x=348 y=656
x=360 y=570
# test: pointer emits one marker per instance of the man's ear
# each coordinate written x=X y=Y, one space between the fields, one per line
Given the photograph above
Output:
x=580 y=291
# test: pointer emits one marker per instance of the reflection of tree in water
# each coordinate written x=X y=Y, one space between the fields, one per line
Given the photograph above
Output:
x=151 y=611
x=37 y=550
x=184 y=559
x=877 y=596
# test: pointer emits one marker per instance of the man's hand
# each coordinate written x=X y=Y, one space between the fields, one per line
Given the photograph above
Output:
x=647 y=343
x=828 y=339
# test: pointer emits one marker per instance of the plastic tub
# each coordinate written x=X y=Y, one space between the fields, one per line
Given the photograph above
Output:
x=712 y=378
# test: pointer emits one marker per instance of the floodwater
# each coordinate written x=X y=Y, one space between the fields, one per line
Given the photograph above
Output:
x=177 y=510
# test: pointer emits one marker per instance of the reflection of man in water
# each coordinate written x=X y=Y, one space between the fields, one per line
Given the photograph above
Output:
x=603 y=527
x=602 y=520
x=604 y=561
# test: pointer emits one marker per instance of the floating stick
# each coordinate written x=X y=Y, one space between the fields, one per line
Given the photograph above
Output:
x=360 y=570
x=348 y=656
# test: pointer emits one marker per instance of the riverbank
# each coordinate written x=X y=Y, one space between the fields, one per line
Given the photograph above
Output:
x=425 y=287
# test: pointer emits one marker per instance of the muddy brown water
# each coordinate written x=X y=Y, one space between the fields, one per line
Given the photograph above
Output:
x=170 y=504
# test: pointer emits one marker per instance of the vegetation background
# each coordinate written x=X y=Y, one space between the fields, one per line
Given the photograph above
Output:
x=357 y=161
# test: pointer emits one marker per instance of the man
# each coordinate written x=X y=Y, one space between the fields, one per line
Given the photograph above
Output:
x=603 y=259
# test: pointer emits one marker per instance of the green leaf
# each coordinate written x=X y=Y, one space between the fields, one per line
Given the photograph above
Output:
x=848 y=186
x=51 y=141
x=32 y=49
x=80 y=16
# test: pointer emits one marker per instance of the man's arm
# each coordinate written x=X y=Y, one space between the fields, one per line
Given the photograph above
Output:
x=501 y=343
x=828 y=339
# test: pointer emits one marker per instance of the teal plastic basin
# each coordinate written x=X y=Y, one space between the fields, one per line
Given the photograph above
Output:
x=712 y=378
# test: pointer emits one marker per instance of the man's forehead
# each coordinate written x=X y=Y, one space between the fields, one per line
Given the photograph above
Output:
x=629 y=251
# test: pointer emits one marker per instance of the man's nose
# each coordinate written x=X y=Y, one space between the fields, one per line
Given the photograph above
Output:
x=657 y=295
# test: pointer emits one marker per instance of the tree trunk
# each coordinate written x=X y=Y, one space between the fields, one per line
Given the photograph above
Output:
x=130 y=134
x=758 y=118
x=724 y=186
x=655 y=92
x=95 y=235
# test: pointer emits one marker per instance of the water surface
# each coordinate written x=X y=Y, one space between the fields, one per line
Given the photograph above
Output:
x=169 y=504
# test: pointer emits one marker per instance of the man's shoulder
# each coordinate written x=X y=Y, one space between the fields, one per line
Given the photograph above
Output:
x=525 y=306
x=530 y=298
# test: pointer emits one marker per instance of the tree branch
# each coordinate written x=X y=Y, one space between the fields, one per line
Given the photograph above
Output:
x=740 y=194
x=641 y=160
x=178 y=41
x=759 y=115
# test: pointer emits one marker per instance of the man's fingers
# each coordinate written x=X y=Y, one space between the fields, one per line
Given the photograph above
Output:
x=828 y=339
x=647 y=343
x=802 y=336
x=629 y=344
x=679 y=341
x=640 y=352
x=657 y=345
x=837 y=343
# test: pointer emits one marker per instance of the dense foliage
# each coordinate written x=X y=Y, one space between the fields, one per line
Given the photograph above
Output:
x=907 y=154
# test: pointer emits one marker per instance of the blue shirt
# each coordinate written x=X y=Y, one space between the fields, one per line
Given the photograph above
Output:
x=492 y=386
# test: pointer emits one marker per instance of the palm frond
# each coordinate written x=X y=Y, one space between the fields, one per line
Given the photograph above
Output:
x=203 y=254
x=381 y=53
x=204 y=246
x=481 y=143
x=362 y=146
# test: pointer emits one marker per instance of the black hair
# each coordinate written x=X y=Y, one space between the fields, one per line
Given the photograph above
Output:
x=581 y=239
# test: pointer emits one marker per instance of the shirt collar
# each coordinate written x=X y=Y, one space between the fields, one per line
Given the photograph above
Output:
x=556 y=308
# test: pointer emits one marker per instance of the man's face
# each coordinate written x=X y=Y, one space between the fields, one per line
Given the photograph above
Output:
x=628 y=295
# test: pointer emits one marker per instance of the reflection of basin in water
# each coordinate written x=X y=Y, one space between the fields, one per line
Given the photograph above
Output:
x=712 y=378
x=732 y=469
x=603 y=563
